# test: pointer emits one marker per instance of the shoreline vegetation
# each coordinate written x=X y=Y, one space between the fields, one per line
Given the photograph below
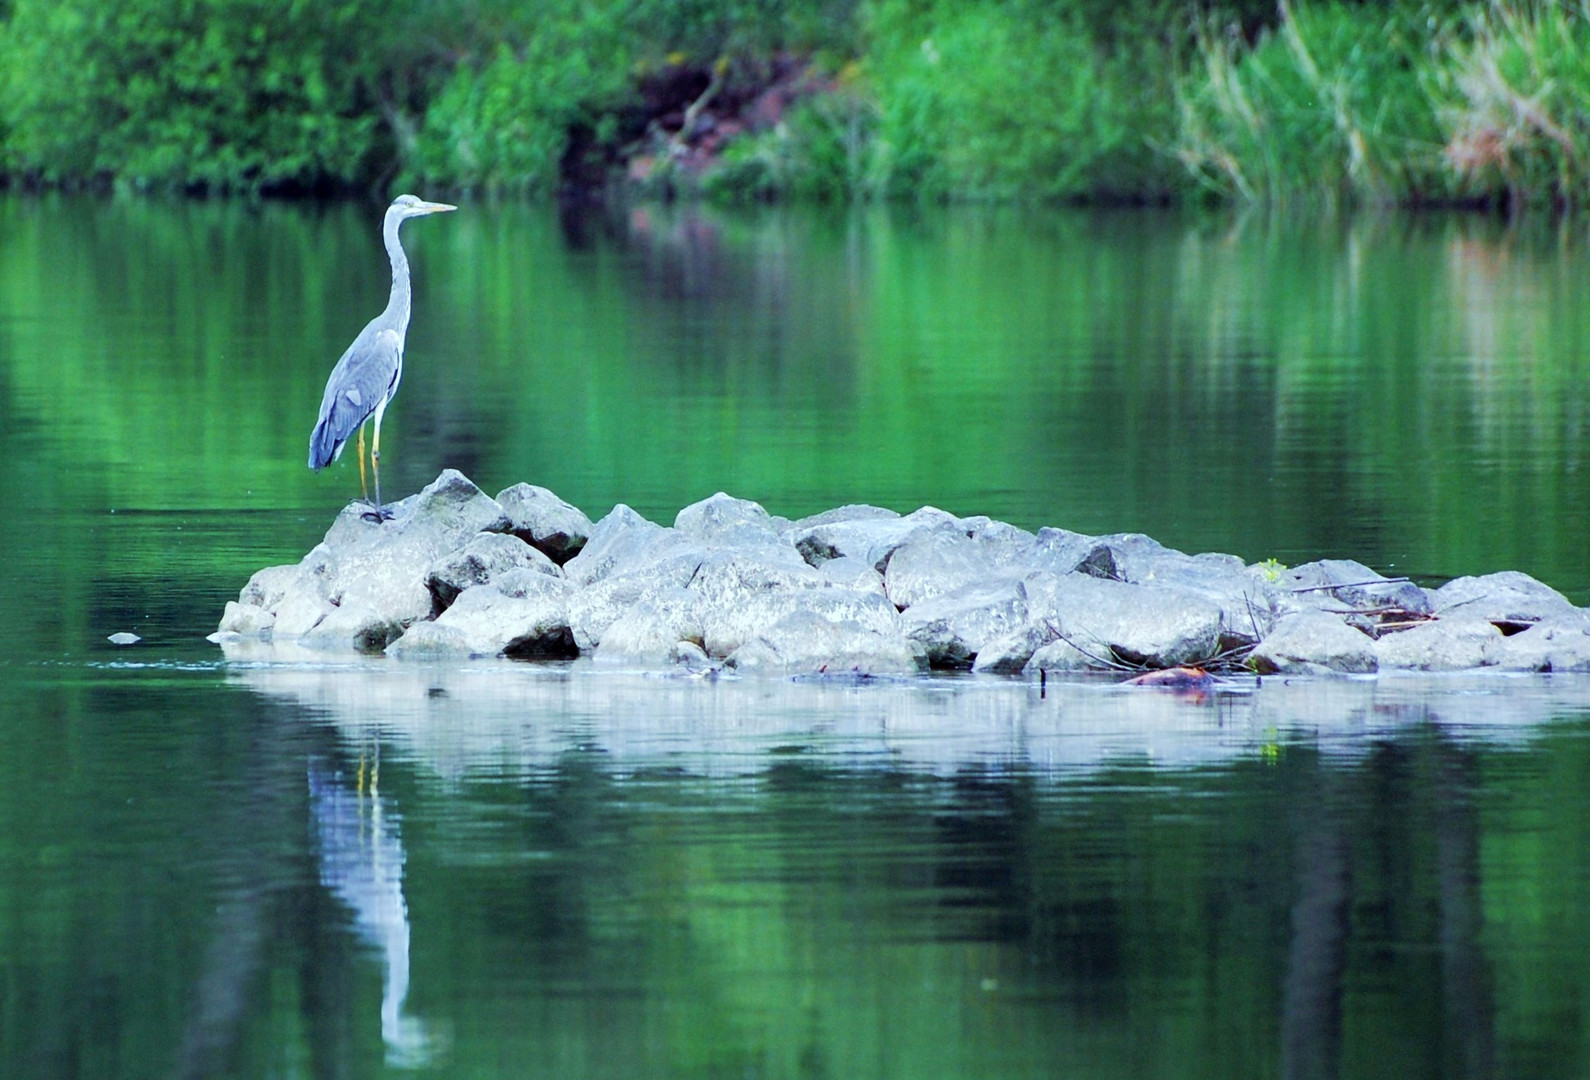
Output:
x=1482 y=103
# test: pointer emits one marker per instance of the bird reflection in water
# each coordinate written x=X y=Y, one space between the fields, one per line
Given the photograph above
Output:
x=361 y=863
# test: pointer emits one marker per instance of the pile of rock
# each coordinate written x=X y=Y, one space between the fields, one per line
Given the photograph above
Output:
x=865 y=590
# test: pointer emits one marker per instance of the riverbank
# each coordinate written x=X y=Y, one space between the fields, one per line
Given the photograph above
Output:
x=1449 y=103
x=865 y=591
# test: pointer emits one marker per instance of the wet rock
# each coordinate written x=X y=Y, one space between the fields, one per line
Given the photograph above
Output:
x=622 y=537
x=595 y=607
x=480 y=560
x=651 y=631
x=1557 y=643
x=1314 y=643
x=1009 y=654
x=544 y=521
x=1512 y=600
x=1062 y=656
x=726 y=627
x=248 y=620
x=1134 y=624
x=932 y=562
x=870 y=539
x=1452 y=644
x=954 y=627
x=429 y=640
x=1351 y=589
x=805 y=642
x=123 y=637
x=724 y=521
x=851 y=512
x=525 y=613
x=356 y=626
x=851 y=573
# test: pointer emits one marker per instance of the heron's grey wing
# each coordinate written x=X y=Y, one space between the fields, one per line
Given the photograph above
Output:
x=365 y=375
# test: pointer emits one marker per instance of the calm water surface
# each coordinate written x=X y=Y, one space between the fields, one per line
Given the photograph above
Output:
x=213 y=868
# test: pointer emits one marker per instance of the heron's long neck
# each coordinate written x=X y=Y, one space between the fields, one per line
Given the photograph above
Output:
x=397 y=307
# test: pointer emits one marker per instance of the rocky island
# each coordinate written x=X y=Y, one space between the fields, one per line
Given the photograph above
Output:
x=861 y=590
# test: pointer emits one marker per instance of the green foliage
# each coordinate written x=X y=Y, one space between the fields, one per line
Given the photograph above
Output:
x=1331 y=105
x=1515 y=97
x=508 y=124
x=822 y=150
x=208 y=94
x=1004 y=100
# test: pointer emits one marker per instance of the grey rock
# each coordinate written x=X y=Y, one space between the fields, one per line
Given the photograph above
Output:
x=933 y=562
x=1510 y=598
x=1009 y=655
x=649 y=632
x=1453 y=644
x=247 y=620
x=1059 y=551
x=1558 y=643
x=381 y=566
x=618 y=539
x=353 y=626
x=1063 y=656
x=267 y=587
x=726 y=627
x=805 y=642
x=595 y=607
x=871 y=539
x=850 y=512
x=724 y=521
x=1160 y=626
x=298 y=612
x=954 y=626
x=851 y=573
x=1342 y=584
x=123 y=637
x=429 y=640
x=1314 y=643
x=538 y=517
x=481 y=559
x=1003 y=545
x=530 y=619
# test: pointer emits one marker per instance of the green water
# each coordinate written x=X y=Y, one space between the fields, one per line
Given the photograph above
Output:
x=253 y=869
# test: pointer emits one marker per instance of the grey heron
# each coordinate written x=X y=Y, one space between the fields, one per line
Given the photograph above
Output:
x=367 y=376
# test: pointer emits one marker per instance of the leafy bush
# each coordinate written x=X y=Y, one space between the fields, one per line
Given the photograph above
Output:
x=1332 y=105
x=210 y=94
x=1515 y=102
x=508 y=125
x=1006 y=99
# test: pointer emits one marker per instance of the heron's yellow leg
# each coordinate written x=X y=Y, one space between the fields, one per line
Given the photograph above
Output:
x=364 y=490
x=375 y=452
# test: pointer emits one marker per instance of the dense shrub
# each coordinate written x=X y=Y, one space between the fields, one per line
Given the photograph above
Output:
x=214 y=94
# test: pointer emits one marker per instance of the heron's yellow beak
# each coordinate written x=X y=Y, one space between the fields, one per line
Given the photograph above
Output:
x=437 y=207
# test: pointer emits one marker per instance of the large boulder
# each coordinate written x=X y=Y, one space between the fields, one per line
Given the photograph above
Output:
x=1454 y=644
x=651 y=633
x=1314 y=643
x=932 y=562
x=725 y=627
x=1344 y=587
x=870 y=539
x=595 y=607
x=953 y=627
x=369 y=574
x=724 y=521
x=521 y=613
x=1558 y=643
x=620 y=539
x=1157 y=627
x=544 y=521
x=478 y=561
x=805 y=642
x=1510 y=599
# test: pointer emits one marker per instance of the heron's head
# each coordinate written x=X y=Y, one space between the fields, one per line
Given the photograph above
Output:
x=407 y=206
